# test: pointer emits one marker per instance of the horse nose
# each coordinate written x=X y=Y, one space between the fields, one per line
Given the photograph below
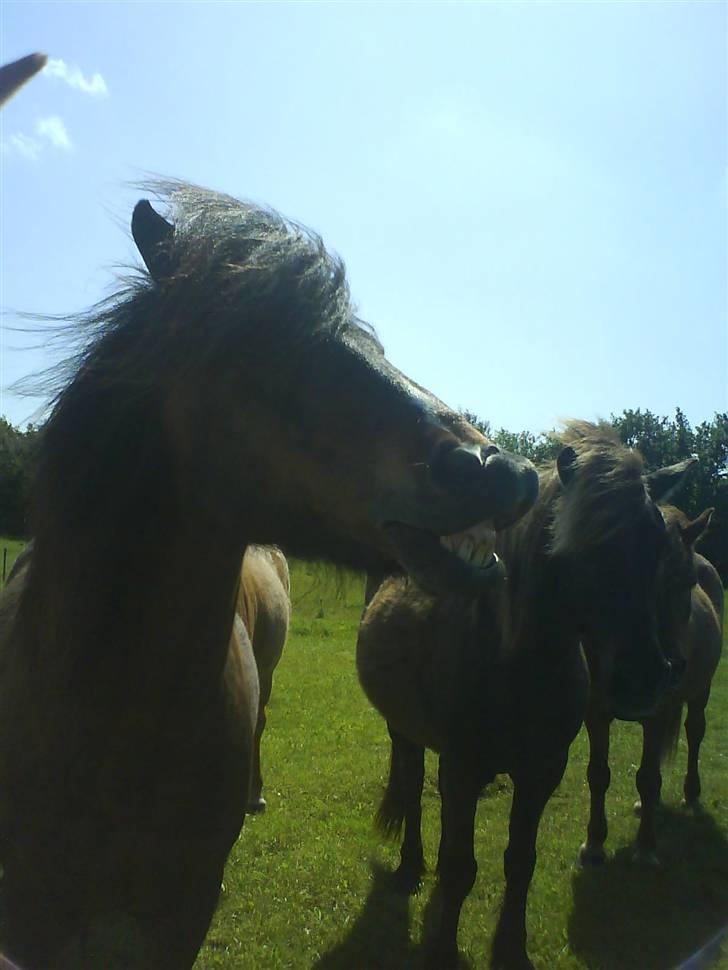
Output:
x=504 y=485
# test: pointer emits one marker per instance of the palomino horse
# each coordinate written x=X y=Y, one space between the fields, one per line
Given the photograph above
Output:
x=691 y=612
x=264 y=606
x=498 y=682
x=13 y=76
x=211 y=407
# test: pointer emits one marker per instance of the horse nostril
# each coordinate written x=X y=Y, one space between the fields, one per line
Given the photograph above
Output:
x=490 y=450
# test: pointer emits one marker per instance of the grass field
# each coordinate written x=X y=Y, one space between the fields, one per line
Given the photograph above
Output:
x=306 y=885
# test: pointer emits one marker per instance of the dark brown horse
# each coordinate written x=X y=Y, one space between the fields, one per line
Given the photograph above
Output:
x=264 y=606
x=691 y=613
x=14 y=75
x=227 y=396
x=499 y=683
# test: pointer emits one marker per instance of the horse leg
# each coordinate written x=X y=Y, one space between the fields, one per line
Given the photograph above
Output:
x=694 y=732
x=256 y=802
x=591 y=852
x=459 y=789
x=532 y=789
x=649 y=785
x=403 y=802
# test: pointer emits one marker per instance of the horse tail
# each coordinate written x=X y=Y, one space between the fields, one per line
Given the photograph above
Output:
x=671 y=735
x=391 y=812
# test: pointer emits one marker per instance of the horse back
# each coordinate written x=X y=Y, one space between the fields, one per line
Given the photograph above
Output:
x=709 y=580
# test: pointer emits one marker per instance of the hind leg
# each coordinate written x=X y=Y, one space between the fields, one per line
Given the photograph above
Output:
x=403 y=801
x=256 y=802
x=694 y=732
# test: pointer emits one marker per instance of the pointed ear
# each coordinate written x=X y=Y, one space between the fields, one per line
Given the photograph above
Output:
x=693 y=530
x=153 y=235
x=566 y=465
x=665 y=482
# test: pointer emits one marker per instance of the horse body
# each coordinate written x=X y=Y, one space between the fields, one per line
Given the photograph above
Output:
x=264 y=606
x=210 y=408
x=499 y=683
x=691 y=612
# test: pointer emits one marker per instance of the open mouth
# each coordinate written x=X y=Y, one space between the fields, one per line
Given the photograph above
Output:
x=475 y=546
x=463 y=563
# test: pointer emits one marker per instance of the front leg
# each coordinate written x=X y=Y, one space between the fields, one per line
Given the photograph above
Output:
x=591 y=852
x=457 y=868
x=533 y=786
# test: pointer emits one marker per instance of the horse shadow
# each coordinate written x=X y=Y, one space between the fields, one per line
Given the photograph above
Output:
x=627 y=916
x=380 y=939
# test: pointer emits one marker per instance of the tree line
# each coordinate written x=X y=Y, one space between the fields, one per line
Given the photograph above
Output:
x=661 y=440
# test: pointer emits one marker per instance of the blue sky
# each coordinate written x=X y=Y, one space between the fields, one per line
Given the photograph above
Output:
x=530 y=198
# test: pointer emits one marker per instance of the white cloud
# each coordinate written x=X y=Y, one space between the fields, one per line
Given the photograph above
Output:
x=55 y=132
x=23 y=145
x=73 y=77
x=48 y=133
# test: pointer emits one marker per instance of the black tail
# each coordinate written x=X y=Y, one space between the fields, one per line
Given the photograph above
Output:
x=671 y=737
x=390 y=814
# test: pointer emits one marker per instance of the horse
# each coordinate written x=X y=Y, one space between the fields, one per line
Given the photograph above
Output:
x=264 y=606
x=498 y=683
x=225 y=395
x=691 y=613
x=14 y=75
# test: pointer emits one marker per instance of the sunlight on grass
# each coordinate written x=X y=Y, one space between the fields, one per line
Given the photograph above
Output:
x=306 y=885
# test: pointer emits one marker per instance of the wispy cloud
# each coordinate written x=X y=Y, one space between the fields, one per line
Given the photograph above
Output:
x=48 y=133
x=23 y=145
x=55 y=132
x=74 y=78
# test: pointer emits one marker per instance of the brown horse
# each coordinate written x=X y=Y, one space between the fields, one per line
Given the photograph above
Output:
x=14 y=75
x=264 y=606
x=691 y=612
x=498 y=682
x=211 y=406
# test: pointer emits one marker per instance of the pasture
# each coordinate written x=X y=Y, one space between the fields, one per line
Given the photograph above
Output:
x=306 y=885
x=307 y=881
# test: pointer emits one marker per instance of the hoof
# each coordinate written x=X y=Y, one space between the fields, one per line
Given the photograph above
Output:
x=441 y=957
x=646 y=857
x=515 y=962
x=591 y=856
x=257 y=806
x=638 y=808
x=692 y=805
x=405 y=882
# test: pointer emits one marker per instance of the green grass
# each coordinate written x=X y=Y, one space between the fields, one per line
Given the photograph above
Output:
x=306 y=885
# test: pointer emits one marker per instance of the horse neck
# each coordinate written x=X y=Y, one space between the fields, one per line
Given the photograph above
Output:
x=109 y=611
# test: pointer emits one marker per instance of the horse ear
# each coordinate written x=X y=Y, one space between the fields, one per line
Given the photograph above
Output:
x=566 y=465
x=693 y=530
x=665 y=482
x=153 y=235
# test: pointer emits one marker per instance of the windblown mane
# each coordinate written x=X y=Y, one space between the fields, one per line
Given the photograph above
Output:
x=607 y=494
x=243 y=283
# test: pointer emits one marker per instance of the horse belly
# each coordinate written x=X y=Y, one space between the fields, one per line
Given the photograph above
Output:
x=398 y=671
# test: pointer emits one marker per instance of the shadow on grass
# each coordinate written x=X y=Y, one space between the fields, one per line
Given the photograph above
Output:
x=629 y=917
x=380 y=937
